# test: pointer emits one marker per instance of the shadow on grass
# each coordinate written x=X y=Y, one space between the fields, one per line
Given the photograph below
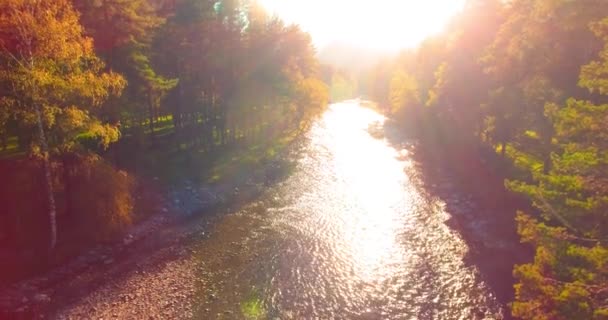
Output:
x=11 y=150
x=171 y=163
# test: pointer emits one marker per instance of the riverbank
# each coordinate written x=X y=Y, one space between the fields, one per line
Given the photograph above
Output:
x=151 y=253
x=471 y=185
x=449 y=244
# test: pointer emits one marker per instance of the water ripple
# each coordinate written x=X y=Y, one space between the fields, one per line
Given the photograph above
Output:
x=358 y=239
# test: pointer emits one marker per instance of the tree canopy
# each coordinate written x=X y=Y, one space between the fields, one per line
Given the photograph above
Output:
x=90 y=88
x=526 y=79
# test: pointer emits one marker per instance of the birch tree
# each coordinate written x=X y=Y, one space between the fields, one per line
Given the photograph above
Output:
x=55 y=81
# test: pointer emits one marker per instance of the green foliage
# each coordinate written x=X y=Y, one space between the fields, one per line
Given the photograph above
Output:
x=516 y=77
x=568 y=278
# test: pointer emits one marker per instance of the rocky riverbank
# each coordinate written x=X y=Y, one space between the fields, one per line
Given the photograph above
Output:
x=159 y=270
x=149 y=273
x=481 y=210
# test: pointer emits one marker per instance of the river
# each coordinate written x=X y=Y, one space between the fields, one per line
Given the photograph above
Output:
x=350 y=234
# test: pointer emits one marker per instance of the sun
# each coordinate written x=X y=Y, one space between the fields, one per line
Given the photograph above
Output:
x=377 y=24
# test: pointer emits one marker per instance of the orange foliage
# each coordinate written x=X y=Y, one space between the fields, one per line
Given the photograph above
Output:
x=102 y=197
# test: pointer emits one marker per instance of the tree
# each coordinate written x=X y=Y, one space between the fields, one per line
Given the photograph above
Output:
x=117 y=23
x=55 y=80
x=503 y=118
x=538 y=51
x=404 y=94
x=569 y=276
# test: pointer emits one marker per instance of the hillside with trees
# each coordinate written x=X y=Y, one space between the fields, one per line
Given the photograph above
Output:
x=523 y=84
x=98 y=98
x=108 y=107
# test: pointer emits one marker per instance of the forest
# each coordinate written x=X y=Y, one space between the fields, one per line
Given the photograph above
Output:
x=97 y=98
x=102 y=103
x=525 y=80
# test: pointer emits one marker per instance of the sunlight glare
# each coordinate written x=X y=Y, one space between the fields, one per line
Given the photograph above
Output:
x=376 y=24
x=373 y=172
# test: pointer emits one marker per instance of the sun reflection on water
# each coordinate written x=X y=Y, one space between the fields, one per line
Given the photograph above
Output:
x=360 y=240
x=372 y=181
x=351 y=234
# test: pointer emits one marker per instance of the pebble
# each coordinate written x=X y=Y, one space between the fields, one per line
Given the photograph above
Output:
x=42 y=298
x=99 y=302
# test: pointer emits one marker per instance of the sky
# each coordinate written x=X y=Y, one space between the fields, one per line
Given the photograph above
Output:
x=388 y=25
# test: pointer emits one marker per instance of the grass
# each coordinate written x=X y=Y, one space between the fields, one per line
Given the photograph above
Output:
x=162 y=127
x=237 y=162
x=253 y=308
x=12 y=149
x=172 y=163
x=162 y=158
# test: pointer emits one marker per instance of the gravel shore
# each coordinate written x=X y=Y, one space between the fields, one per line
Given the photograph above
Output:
x=150 y=274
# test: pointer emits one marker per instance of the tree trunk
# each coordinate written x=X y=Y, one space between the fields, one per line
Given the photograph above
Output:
x=547 y=164
x=67 y=182
x=503 y=149
x=48 y=179
x=151 y=112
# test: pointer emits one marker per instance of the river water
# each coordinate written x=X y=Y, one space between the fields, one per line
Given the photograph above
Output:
x=350 y=234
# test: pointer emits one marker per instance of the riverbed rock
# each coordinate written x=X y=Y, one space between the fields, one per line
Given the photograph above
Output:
x=42 y=298
x=128 y=240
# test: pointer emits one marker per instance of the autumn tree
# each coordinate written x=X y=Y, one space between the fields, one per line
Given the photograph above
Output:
x=538 y=52
x=117 y=23
x=55 y=80
x=506 y=76
x=404 y=94
x=568 y=278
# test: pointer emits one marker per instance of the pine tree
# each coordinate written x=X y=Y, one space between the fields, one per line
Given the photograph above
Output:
x=569 y=276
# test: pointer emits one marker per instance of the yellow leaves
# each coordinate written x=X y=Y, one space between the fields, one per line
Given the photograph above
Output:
x=72 y=119
x=565 y=277
x=532 y=285
x=403 y=91
x=574 y=298
x=526 y=227
x=594 y=76
x=440 y=83
x=105 y=133
x=52 y=64
x=95 y=88
x=43 y=30
x=600 y=29
x=104 y=196
x=314 y=92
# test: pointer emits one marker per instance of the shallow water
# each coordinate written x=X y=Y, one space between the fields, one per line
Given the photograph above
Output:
x=350 y=234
